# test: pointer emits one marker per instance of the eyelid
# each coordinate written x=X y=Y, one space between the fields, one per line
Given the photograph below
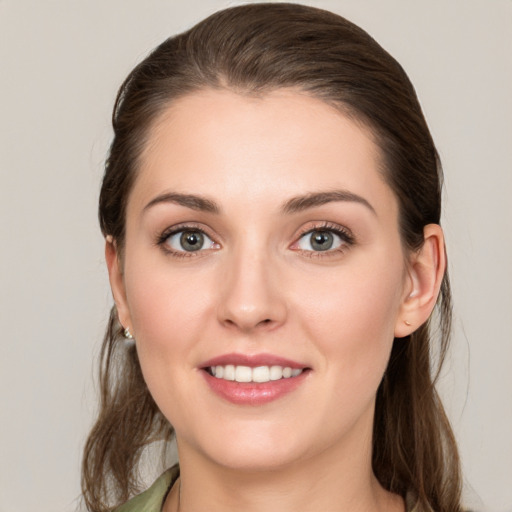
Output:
x=327 y=226
x=342 y=232
x=162 y=238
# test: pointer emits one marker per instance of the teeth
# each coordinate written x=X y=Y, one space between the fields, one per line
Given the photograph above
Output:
x=243 y=374
x=229 y=372
x=276 y=372
x=258 y=374
x=261 y=374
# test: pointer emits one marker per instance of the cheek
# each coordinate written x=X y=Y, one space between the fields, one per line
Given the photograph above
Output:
x=163 y=302
x=352 y=318
x=352 y=325
x=167 y=310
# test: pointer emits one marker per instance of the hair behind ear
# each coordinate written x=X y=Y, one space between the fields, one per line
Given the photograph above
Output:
x=128 y=421
x=414 y=449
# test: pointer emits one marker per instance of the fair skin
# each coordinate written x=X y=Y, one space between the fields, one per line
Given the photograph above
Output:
x=323 y=282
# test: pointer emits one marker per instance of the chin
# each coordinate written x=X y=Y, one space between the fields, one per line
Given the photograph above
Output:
x=256 y=460
x=250 y=447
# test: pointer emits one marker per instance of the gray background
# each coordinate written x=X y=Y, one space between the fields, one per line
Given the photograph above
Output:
x=61 y=62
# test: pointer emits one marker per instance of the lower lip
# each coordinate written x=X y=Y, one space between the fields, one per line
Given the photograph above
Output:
x=251 y=393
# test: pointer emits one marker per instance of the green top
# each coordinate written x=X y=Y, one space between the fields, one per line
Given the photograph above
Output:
x=153 y=499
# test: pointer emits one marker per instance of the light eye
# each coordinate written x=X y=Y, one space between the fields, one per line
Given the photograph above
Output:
x=320 y=240
x=189 y=240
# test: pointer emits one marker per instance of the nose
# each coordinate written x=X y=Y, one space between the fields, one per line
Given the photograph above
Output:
x=252 y=297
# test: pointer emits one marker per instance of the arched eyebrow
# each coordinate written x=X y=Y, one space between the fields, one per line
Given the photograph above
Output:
x=293 y=205
x=301 y=203
x=192 y=201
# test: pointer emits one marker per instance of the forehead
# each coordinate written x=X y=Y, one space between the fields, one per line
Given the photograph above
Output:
x=218 y=142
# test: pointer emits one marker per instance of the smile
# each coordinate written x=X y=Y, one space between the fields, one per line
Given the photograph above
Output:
x=259 y=374
x=254 y=379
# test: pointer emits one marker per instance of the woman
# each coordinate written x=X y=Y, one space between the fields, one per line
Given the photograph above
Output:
x=271 y=207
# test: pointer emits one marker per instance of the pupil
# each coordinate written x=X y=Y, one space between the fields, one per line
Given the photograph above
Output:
x=191 y=240
x=321 y=240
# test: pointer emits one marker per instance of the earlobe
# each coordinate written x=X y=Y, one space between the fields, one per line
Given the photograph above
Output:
x=425 y=274
x=116 y=279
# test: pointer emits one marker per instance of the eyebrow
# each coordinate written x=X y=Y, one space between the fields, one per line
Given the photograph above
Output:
x=301 y=203
x=191 y=201
x=293 y=205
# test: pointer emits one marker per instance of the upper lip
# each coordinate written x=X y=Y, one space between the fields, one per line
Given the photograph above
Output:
x=252 y=360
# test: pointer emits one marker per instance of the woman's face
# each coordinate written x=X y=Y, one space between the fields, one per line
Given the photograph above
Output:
x=260 y=233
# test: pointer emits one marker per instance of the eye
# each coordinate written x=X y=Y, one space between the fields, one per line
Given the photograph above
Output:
x=189 y=240
x=324 y=240
x=317 y=241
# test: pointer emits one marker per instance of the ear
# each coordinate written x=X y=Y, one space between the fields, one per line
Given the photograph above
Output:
x=115 y=274
x=425 y=275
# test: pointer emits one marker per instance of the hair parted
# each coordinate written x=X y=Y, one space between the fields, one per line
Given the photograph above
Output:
x=253 y=49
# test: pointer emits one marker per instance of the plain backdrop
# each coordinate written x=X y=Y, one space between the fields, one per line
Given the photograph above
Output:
x=61 y=62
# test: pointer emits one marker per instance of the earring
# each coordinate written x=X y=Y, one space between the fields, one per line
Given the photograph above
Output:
x=407 y=323
x=129 y=340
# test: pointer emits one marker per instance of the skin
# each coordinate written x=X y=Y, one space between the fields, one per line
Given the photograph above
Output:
x=258 y=286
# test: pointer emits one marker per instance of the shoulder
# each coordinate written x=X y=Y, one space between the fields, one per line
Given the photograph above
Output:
x=152 y=499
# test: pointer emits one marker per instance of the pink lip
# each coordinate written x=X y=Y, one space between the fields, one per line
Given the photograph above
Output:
x=252 y=360
x=250 y=393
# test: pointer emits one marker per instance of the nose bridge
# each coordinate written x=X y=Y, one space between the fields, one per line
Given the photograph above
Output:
x=250 y=296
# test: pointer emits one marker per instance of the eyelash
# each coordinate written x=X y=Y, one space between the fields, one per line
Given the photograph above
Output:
x=165 y=235
x=343 y=233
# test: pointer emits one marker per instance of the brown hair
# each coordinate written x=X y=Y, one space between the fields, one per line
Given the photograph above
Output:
x=253 y=49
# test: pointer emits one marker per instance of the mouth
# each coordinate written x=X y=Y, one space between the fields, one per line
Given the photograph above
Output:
x=253 y=379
